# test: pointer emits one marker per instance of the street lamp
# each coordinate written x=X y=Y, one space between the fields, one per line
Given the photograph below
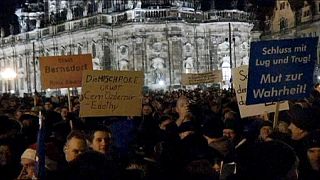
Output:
x=161 y=83
x=8 y=74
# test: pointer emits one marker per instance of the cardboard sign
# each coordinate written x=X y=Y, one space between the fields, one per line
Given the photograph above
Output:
x=111 y=93
x=281 y=70
x=201 y=78
x=64 y=71
x=240 y=80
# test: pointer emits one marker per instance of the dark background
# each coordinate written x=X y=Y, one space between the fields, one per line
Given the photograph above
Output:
x=8 y=7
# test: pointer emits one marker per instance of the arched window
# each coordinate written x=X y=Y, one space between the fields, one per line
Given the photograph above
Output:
x=79 y=50
x=90 y=8
x=94 y=51
x=283 y=24
x=20 y=62
x=106 y=57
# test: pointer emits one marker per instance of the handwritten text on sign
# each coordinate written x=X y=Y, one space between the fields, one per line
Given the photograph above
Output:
x=111 y=93
x=64 y=71
x=240 y=80
x=281 y=69
x=209 y=77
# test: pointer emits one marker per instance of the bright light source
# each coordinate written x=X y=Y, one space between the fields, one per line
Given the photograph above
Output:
x=318 y=77
x=161 y=82
x=12 y=91
x=8 y=74
x=49 y=90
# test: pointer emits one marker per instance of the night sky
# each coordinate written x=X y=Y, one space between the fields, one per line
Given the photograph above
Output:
x=7 y=9
x=7 y=14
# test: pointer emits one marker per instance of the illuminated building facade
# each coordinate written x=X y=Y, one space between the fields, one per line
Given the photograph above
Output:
x=163 y=38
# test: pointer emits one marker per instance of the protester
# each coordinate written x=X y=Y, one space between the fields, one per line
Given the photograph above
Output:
x=303 y=122
x=9 y=128
x=233 y=130
x=315 y=95
x=213 y=132
x=311 y=170
x=92 y=165
x=265 y=130
x=28 y=162
x=100 y=140
x=9 y=163
x=147 y=128
x=75 y=145
x=267 y=160
x=30 y=127
x=188 y=134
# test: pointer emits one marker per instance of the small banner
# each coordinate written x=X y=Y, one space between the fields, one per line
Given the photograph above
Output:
x=111 y=93
x=201 y=78
x=64 y=71
x=240 y=80
x=281 y=69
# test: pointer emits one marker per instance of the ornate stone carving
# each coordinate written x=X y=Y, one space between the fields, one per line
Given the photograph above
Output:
x=124 y=65
x=157 y=68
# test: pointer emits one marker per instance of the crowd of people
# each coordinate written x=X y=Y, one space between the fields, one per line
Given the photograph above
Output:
x=186 y=134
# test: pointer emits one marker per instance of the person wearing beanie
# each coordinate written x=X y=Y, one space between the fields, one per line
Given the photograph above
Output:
x=303 y=122
x=233 y=131
x=28 y=162
x=312 y=169
x=265 y=130
x=315 y=95
x=270 y=160
x=212 y=131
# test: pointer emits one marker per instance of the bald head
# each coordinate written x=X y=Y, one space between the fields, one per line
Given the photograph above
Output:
x=182 y=105
x=182 y=100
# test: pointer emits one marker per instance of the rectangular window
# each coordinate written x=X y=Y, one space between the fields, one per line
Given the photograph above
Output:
x=282 y=5
x=20 y=63
x=306 y=13
x=21 y=84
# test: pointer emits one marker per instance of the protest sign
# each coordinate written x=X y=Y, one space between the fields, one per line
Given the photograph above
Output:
x=281 y=69
x=201 y=78
x=64 y=71
x=111 y=93
x=240 y=80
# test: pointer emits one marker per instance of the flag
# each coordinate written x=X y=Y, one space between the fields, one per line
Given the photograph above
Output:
x=41 y=151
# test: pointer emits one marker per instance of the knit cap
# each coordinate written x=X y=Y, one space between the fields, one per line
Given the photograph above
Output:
x=29 y=154
x=302 y=117
x=313 y=140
